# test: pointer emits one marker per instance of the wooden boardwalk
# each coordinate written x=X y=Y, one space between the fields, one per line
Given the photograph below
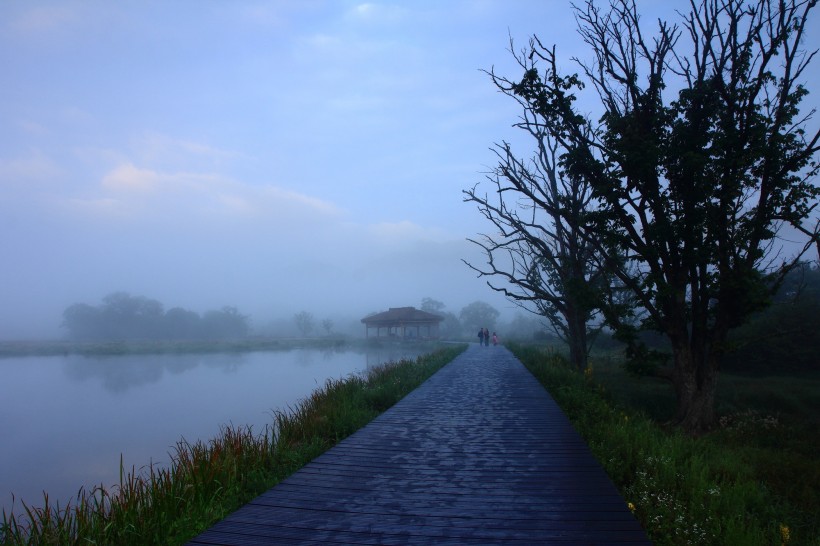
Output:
x=479 y=454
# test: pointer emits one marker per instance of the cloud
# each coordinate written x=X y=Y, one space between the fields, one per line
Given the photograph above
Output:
x=127 y=177
x=160 y=148
x=376 y=13
x=204 y=197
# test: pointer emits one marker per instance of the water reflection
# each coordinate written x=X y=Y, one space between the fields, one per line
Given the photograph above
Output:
x=66 y=420
x=121 y=373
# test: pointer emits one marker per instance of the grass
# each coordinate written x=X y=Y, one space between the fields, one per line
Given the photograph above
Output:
x=753 y=481
x=208 y=480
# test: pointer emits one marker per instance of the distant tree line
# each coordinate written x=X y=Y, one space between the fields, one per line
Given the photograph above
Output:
x=125 y=317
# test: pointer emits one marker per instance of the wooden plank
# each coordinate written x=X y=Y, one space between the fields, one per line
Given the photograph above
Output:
x=479 y=454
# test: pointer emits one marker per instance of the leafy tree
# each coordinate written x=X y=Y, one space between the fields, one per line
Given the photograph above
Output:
x=450 y=327
x=478 y=315
x=327 y=324
x=82 y=321
x=537 y=247
x=432 y=306
x=700 y=156
x=122 y=317
x=182 y=324
x=304 y=322
x=525 y=327
x=227 y=323
x=784 y=336
x=130 y=317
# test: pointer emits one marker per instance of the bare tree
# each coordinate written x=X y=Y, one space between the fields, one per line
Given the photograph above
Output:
x=694 y=189
x=537 y=248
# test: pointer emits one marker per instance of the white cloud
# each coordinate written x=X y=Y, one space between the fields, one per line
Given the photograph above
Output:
x=208 y=196
x=127 y=177
x=372 y=12
x=158 y=147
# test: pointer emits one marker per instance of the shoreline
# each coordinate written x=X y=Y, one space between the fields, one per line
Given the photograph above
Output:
x=10 y=349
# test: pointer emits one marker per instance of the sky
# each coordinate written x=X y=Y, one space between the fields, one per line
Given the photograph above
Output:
x=276 y=156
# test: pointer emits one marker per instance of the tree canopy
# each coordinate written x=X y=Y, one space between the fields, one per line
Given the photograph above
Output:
x=700 y=157
x=122 y=316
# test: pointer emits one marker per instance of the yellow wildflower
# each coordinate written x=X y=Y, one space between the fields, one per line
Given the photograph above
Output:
x=632 y=509
x=784 y=533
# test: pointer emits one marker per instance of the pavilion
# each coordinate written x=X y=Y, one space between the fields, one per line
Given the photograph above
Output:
x=403 y=323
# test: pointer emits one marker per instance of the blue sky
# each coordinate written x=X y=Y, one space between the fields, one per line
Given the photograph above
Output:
x=276 y=156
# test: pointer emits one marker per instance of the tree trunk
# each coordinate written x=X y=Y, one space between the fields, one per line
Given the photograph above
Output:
x=577 y=339
x=695 y=378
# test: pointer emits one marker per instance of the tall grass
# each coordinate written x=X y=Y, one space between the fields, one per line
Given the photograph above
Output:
x=736 y=486
x=206 y=481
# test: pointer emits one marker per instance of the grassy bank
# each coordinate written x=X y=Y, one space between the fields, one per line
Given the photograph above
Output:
x=754 y=481
x=208 y=480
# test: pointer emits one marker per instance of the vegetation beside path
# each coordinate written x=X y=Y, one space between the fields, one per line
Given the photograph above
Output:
x=208 y=480
x=753 y=481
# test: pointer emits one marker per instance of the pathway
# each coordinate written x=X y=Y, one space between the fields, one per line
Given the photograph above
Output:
x=479 y=454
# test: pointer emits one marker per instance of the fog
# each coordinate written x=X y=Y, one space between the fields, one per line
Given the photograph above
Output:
x=267 y=280
x=276 y=157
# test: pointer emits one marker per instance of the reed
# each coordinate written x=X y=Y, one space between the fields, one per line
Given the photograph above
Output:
x=753 y=481
x=206 y=481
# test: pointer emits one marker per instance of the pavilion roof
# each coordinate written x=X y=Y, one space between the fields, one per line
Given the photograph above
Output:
x=402 y=315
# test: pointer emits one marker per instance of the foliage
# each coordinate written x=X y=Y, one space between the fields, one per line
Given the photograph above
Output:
x=450 y=327
x=327 y=325
x=777 y=340
x=782 y=338
x=750 y=482
x=125 y=317
x=208 y=480
x=304 y=322
x=538 y=247
x=478 y=315
x=525 y=327
x=432 y=306
x=700 y=155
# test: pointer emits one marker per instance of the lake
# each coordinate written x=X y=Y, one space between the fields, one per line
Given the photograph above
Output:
x=66 y=420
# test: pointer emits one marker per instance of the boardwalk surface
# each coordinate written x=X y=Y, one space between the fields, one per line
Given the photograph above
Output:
x=479 y=454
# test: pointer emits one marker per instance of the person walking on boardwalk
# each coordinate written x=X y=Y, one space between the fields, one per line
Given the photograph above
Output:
x=481 y=336
x=495 y=339
x=486 y=337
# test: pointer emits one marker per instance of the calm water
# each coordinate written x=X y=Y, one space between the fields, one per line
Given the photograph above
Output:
x=65 y=421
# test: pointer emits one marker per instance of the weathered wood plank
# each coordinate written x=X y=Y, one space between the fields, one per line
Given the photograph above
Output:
x=479 y=454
